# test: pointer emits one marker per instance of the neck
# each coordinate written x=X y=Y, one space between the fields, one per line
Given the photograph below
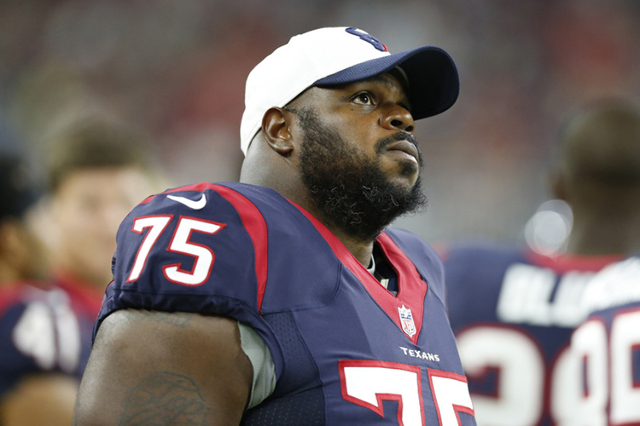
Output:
x=299 y=194
x=603 y=235
x=360 y=249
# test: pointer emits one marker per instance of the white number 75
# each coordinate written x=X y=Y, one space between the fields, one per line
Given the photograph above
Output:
x=180 y=243
x=368 y=383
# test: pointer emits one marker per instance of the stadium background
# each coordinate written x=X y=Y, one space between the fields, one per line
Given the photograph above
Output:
x=177 y=69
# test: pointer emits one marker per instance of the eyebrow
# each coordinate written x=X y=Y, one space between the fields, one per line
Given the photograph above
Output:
x=385 y=79
x=382 y=78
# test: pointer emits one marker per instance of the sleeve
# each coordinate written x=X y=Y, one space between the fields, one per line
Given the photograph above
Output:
x=194 y=249
x=463 y=267
x=264 y=375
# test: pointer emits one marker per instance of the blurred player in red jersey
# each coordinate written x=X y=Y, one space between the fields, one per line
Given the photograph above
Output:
x=42 y=353
x=513 y=310
x=607 y=346
x=97 y=170
x=285 y=299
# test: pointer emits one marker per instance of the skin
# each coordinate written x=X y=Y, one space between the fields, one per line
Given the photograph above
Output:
x=40 y=400
x=85 y=221
x=185 y=347
x=21 y=255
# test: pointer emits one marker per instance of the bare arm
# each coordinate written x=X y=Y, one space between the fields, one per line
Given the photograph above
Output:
x=185 y=369
x=42 y=399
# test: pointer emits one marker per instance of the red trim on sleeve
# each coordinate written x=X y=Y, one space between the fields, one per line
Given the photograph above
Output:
x=573 y=262
x=22 y=292
x=148 y=199
x=85 y=297
x=256 y=227
x=11 y=295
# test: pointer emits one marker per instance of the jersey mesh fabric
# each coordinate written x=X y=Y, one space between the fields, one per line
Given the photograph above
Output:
x=282 y=272
x=299 y=399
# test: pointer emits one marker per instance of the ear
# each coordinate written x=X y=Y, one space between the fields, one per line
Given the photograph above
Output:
x=277 y=132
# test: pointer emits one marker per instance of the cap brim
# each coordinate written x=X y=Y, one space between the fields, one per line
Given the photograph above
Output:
x=432 y=75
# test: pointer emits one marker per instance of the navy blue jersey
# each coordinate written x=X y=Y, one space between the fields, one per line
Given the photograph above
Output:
x=40 y=333
x=608 y=347
x=513 y=312
x=346 y=350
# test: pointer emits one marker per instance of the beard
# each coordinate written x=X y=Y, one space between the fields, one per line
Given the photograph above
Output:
x=349 y=188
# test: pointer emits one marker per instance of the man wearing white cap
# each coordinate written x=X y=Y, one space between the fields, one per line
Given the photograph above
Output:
x=285 y=299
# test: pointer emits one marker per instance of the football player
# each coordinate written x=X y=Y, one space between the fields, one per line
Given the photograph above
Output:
x=285 y=299
x=513 y=309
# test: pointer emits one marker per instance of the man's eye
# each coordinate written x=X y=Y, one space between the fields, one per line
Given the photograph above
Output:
x=363 y=98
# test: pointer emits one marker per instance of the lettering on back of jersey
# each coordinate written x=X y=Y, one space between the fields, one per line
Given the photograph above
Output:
x=535 y=295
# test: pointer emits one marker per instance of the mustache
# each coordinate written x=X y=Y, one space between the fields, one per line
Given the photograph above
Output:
x=381 y=145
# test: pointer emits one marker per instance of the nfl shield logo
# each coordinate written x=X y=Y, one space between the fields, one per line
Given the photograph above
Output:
x=406 y=319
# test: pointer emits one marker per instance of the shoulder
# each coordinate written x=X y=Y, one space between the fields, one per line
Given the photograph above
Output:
x=464 y=261
x=479 y=249
x=476 y=270
x=232 y=208
x=206 y=248
x=10 y=296
x=421 y=253
x=170 y=243
x=21 y=294
x=210 y=198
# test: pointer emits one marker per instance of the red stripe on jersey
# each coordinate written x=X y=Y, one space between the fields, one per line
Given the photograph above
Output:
x=9 y=297
x=22 y=292
x=572 y=262
x=256 y=226
x=253 y=222
x=148 y=199
x=411 y=289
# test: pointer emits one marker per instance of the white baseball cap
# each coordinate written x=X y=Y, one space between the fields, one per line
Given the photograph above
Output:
x=341 y=55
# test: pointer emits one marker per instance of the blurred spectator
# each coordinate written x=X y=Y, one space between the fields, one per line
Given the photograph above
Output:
x=42 y=353
x=513 y=309
x=178 y=68
x=98 y=170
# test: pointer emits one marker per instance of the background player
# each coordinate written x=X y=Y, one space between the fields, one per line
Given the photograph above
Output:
x=42 y=355
x=513 y=310
x=607 y=345
x=97 y=170
x=343 y=323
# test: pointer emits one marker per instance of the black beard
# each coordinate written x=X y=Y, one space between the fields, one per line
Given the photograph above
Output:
x=350 y=189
